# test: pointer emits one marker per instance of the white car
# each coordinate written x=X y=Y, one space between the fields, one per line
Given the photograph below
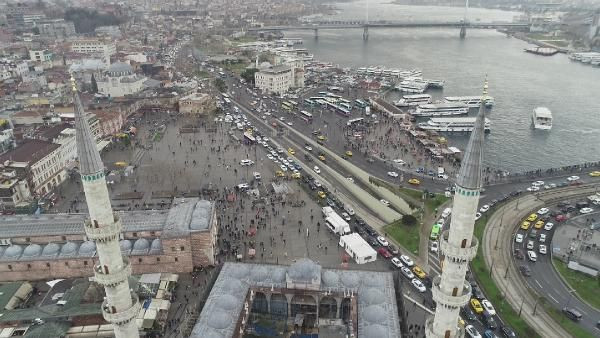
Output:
x=384 y=202
x=350 y=179
x=533 y=188
x=477 y=216
x=537 y=183
x=573 y=178
x=407 y=273
x=269 y=156
x=382 y=241
x=399 y=161
x=308 y=148
x=484 y=208
x=543 y=238
x=256 y=175
x=434 y=247
x=392 y=174
x=290 y=124
x=446 y=212
x=548 y=226
x=487 y=305
x=418 y=285
x=543 y=211
x=586 y=210
x=397 y=262
x=532 y=255
x=472 y=331
x=246 y=162
x=283 y=168
x=346 y=217
x=519 y=238
x=530 y=245
x=406 y=260
x=543 y=249
x=317 y=170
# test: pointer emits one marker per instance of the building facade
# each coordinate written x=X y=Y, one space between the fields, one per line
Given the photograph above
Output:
x=279 y=79
x=197 y=104
x=120 y=80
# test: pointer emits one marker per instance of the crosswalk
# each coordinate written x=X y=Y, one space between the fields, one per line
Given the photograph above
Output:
x=138 y=156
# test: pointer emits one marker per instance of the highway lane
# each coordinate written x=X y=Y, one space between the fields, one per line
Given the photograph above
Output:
x=546 y=281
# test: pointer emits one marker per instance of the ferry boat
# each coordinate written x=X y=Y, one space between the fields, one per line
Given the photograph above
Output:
x=435 y=83
x=471 y=101
x=452 y=124
x=413 y=100
x=542 y=118
x=441 y=109
x=411 y=87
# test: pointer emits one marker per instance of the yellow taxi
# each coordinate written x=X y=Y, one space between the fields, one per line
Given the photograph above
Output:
x=539 y=224
x=296 y=175
x=348 y=153
x=525 y=225
x=279 y=173
x=461 y=322
x=532 y=217
x=595 y=174
x=321 y=194
x=291 y=151
x=322 y=138
x=322 y=157
x=419 y=272
x=476 y=306
x=414 y=181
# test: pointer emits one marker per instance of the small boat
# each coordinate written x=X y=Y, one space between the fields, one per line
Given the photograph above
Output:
x=542 y=118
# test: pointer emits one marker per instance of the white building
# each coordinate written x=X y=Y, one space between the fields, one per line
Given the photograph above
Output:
x=279 y=79
x=120 y=80
x=95 y=47
x=458 y=245
x=358 y=248
x=43 y=55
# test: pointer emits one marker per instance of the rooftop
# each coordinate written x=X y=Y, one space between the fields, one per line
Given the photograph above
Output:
x=277 y=69
x=31 y=151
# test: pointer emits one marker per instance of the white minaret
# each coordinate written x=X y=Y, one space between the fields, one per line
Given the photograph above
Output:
x=458 y=245
x=121 y=305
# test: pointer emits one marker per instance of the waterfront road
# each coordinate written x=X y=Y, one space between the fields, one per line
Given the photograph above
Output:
x=523 y=293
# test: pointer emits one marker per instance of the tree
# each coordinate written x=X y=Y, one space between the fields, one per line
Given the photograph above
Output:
x=409 y=220
x=248 y=75
x=221 y=85
x=94 y=84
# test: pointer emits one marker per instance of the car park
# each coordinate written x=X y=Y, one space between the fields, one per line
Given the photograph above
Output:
x=406 y=260
x=418 y=285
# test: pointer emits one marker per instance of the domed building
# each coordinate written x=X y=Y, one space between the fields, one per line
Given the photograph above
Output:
x=120 y=80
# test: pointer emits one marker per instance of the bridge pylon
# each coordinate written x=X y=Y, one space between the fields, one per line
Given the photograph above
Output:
x=366 y=33
x=463 y=31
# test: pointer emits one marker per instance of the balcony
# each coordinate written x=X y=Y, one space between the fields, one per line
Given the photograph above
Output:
x=115 y=276
x=122 y=317
x=458 y=254
x=443 y=299
x=103 y=232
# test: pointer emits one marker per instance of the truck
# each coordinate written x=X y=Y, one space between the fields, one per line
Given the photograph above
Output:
x=335 y=222
x=327 y=211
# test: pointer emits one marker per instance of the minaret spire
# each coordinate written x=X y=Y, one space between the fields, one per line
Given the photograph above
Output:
x=121 y=306
x=458 y=246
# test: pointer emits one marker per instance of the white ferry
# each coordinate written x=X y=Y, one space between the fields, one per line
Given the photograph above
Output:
x=412 y=87
x=435 y=83
x=441 y=109
x=453 y=124
x=413 y=100
x=471 y=101
x=542 y=118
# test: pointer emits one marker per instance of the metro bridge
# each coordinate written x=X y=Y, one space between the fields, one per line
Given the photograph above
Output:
x=349 y=24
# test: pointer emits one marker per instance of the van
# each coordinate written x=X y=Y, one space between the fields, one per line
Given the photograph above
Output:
x=349 y=210
x=441 y=172
x=572 y=314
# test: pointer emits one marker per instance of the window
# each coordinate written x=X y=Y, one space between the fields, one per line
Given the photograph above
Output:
x=139 y=260
x=176 y=259
x=66 y=263
x=9 y=267
x=64 y=238
x=28 y=266
x=27 y=239
x=158 y=259
x=85 y=263
x=135 y=234
x=47 y=265
x=172 y=248
x=182 y=248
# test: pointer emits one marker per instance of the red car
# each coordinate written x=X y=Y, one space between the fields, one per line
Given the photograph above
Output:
x=384 y=252
x=560 y=218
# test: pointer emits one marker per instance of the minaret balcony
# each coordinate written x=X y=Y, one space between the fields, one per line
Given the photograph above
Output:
x=103 y=232
x=442 y=299
x=124 y=316
x=112 y=276
x=456 y=253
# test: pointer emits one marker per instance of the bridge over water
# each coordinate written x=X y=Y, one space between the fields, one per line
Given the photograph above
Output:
x=352 y=24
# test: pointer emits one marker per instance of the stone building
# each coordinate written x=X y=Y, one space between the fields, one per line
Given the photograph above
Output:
x=197 y=104
x=120 y=80
x=49 y=246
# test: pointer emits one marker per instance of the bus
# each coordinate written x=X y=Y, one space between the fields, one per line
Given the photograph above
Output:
x=360 y=103
x=309 y=102
x=334 y=96
x=351 y=122
x=335 y=89
x=343 y=111
x=324 y=93
x=344 y=101
x=345 y=105
x=286 y=105
x=435 y=232
x=225 y=95
x=306 y=116
x=293 y=103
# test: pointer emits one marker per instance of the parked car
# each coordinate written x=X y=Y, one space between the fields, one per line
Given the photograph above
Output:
x=472 y=331
x=418 y=285
x=384 y=253
x=476 y=306
x=466 y=312
x=382 y=241
x=396 y=262
x=489 y=321
x=507 y=332
x=407 y=261
x=407 y=273
x=487 y=305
